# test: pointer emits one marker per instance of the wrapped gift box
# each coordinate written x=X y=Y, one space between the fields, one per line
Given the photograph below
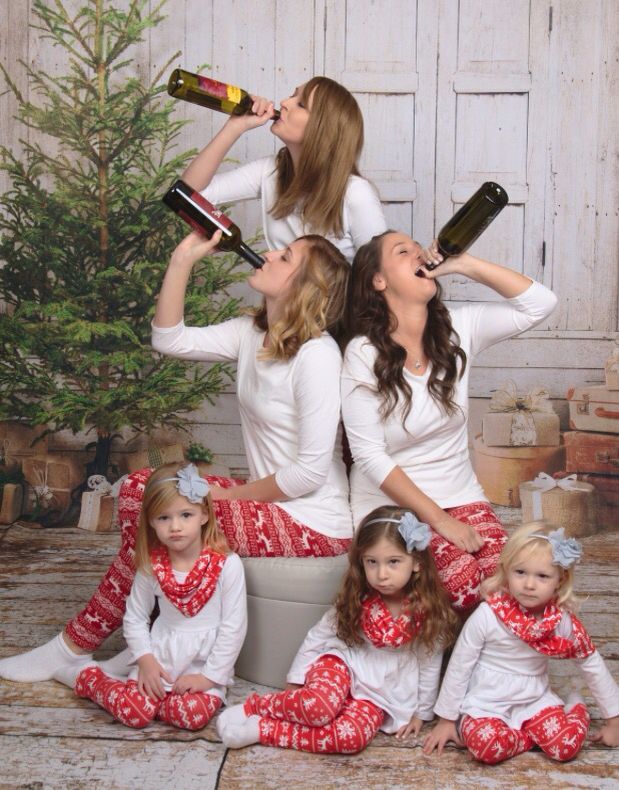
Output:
x=501 y=470
x=520 y=429
x=97 y=512
x=594 y=408
x=12 y=497
x=611 y=369
x=153 y=457
x=593 y=453
x=52 y=479
x=607 y=491
x=519 y=419
x=567 y=502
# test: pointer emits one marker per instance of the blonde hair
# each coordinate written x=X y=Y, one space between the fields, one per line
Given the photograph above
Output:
x=157 y=497
x=423 y=591
x=524 y=540
x=315 y=303
x=330 y=151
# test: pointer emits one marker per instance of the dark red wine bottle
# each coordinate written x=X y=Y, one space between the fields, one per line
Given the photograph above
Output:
x=470 y=221
x=210 y=93
x=206 y=219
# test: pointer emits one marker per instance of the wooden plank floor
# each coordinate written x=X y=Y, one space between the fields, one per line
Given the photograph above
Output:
x=49 y=738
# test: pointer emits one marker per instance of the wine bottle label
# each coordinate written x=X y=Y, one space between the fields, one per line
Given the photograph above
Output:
x=217 y=89
x=212 y=213
x=234 y=94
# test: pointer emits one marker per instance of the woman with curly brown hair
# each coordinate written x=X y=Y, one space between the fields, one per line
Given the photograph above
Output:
x=405 y=395
x=374 y=659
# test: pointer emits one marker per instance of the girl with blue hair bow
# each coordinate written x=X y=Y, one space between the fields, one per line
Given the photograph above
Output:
x=496 y=698
x=181 y=666
x=372 y=662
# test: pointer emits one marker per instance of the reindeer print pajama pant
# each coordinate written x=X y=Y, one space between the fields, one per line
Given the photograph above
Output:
x=558 y=733
x=319 y=717
x=190 y=711
x=253 y=529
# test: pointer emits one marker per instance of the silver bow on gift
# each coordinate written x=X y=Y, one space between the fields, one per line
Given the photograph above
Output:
x=508 y=400
x=544 y=482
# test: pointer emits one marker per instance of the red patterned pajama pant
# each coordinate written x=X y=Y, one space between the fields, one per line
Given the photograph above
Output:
x=559 y=734
x=191 y=711
x=253 y=529
x=320 y=717
x=461 y=572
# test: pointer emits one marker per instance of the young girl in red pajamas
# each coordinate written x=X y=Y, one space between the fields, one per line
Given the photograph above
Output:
x=496 y=698
x=185 y=662
x=373 y=660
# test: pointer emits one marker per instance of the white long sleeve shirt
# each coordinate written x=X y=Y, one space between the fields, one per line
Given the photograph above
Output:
x=429 y=446
x=494 y=673
x=208 y=643
x=402 y=681
x=362 y=213
x=290 y=415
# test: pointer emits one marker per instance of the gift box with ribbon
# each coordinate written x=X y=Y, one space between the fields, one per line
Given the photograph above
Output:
x=51 y=480
x=516 y=420
x=611 y=369
x=566 y=502
x=98 y=512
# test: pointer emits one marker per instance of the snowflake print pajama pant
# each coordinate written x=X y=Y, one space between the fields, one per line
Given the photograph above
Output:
x=559 y=734
x=320 y=717
x=461 y=572
x=191 y=711
x=253 y=529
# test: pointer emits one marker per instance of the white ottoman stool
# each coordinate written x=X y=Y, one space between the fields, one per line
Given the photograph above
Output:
x=286 y=596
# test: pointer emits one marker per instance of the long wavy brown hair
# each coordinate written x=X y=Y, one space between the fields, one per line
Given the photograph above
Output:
x=159 y=492
x=330 y=151
x=367 y=313
x=423 y=592
x=315 y=302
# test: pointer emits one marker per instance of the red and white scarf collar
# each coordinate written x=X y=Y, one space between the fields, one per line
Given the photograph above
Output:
x=191 y=595
x=382 y=629
x=540 y=634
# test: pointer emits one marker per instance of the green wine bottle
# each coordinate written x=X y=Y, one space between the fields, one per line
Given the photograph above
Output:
x=210 y=93
x=206 y=219
x=470 y=221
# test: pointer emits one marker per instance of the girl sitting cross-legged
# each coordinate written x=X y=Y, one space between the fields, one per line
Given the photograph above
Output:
x=373 y=660
x=185 y=662
x=496 y=697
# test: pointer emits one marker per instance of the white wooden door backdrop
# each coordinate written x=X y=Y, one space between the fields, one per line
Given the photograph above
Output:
x=454 y=92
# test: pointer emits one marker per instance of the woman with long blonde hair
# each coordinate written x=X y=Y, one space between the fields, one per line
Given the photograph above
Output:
x=312 y=185
x=288 y=372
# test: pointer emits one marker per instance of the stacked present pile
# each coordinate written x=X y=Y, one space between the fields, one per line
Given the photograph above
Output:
x=592 y=446
x=520 y=438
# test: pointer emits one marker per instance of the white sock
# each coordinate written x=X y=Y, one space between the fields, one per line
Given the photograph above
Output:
x=67 y=673
x=42 y=662
x=118 y=666
x=235 y=736
x=235 y=714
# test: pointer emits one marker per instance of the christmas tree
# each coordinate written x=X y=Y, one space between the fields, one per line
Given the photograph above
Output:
x=85 y=240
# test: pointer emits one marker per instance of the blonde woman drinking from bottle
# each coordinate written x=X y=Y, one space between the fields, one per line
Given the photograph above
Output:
x=288 y=371
x=405 y=395
x=313 y=184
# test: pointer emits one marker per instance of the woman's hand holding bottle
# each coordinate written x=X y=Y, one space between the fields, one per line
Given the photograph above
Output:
x=262 y=111
x=193 y=248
